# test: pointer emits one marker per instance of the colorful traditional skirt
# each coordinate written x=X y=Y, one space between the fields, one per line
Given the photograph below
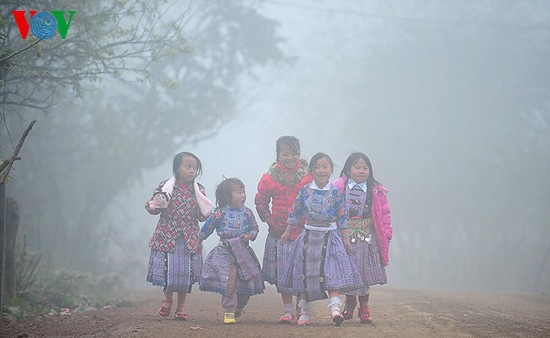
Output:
x=367 y=258
x=221 y=274
x=175 y=271
x=320 y=263
x=276 y=261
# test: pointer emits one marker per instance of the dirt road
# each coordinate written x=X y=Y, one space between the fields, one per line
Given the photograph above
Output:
x=396 y=313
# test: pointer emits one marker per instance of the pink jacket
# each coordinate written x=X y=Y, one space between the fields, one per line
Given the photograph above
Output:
x=380 y=213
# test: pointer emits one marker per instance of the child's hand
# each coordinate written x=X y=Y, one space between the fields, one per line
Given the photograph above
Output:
x=160 y=201
x=198 y=247
x=285 y=236
x=161 y=204
x=247 y=237
x=154 y=205
x=347 y=245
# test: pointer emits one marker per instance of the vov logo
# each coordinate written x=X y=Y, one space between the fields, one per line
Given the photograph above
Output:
x=43 y=25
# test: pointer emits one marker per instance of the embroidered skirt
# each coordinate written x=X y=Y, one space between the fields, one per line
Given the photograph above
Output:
x=320 y=263
x=367 y=259
x=175 y=271
x=220 y=274
x=276 y=261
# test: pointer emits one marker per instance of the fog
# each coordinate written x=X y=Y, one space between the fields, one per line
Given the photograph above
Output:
x=451 y=102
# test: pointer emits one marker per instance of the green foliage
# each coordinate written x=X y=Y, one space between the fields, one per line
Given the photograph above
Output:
x=100 y=41
x=66 y=292
x=98 y=147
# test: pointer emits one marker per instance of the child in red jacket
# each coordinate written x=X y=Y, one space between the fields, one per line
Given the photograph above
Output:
x=280 y=186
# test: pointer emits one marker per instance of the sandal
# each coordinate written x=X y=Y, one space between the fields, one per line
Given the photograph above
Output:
x=286 y=318
x=180 y=315
x=337 y=317
x=364 y=315
x=303 y=320
x=165 y=308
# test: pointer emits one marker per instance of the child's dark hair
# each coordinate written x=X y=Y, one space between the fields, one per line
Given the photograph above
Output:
x=317 y=157
x=351 y=160
x=292 y=142
x=225 y=189
x=177 y=161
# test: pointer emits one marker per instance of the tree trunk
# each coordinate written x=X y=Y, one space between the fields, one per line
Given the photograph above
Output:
x=2 y=227
x=10 y=240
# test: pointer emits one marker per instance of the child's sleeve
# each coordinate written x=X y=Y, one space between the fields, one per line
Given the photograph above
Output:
x=200 y=216
x=296 y=212
x=340 y=210
x=212 y=222
x=149 y=204
x=263 y=198
x=386 y=215
x=253 y=224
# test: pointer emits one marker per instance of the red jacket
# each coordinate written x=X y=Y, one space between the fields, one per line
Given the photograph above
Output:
x=280 y=186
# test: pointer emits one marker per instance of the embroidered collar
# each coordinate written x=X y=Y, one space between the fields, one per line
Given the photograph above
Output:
x=279 y=173
x=351 y=184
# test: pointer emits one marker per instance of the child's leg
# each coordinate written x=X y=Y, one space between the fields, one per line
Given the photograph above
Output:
x=180 y=314
x=304 y=311
x=229 y=304
x=181 y=300
x=334 y=307
x=364 y=309
x=287 y=316
x=287 y=299
x=242 y=300
x=166 y=304
x=349 y=307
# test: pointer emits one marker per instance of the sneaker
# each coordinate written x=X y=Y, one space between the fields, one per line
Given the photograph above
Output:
x=364 y=315
x=238 y=313
x=229 y=318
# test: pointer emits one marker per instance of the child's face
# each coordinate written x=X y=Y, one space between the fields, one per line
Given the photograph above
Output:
x=359 y=171
x=322 y=172
x=187 y=170
x=288 y=157
x=238 y=197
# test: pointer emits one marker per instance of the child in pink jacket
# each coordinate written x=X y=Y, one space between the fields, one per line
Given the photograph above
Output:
x=370 y=229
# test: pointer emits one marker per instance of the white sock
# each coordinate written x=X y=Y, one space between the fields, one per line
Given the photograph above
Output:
x=334 y=303
x=304 y=306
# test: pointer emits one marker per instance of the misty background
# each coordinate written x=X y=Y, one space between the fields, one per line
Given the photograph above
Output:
x=450 y=100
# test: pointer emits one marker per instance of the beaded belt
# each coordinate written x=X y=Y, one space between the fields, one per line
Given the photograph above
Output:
x=359 y=229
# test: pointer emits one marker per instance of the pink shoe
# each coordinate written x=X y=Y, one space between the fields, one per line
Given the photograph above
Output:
x=286 y=318
x=351 y=302
x=303 y=320
x=165 y=308
x=180 y=315
x=364 y=315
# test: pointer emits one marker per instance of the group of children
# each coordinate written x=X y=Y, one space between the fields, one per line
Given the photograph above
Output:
x=323 y=237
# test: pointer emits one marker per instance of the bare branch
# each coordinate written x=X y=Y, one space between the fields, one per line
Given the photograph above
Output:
x=6 y=169
x=19 y=51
